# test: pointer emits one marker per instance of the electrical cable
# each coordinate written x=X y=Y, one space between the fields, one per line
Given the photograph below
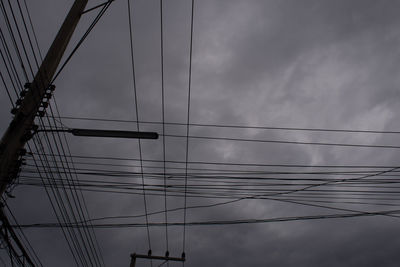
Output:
x=163 y=120
x=6 y=87
x=235 y=164
x=81 y=214
x=225 y=222
x=85 y=237
x=97 y=6
x=64 y=215
x=33 y=30
x=137 y=115
x=11 y=70
x=187 y=125
x=13 y=40
x=72 y=201
x=237 y=126
x=95 y=21
x=35 y=256
x=35 y=141
x=85 y=214
x=282 y=141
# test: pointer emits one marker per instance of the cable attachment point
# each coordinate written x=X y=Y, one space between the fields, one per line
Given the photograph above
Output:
x=44 y=105
x=41 y=113
x=18 y=104
x=47 y=96
x=19 y=101
x=51 y=88
x=27 y=85
x=22 y=152
x=25 y=90
x=14 y=173
x=29 y=133
x=45 y=100
x=14 y=111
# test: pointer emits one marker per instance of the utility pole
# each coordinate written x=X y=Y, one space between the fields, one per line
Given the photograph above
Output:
x=19 y=131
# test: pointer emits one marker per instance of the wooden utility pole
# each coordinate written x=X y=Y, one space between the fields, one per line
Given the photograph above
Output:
x=19 y=130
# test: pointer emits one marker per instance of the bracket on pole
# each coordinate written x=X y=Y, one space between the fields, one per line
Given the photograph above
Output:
x=166 y=258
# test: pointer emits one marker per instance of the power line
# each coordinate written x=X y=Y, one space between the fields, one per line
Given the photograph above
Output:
x=163 y=120
x=85 y=35
x=35 y=256
x=28 y=62
x=59 y=217
x=63 y=201
x=137 y=115
x=224 y=222
x=239 y=164
x=238 y=126
x=14 y=42
x=33 y=30
x=86 y=236
x=187 y=127
x=282 y=141
x=85 y=212
x=97 y=6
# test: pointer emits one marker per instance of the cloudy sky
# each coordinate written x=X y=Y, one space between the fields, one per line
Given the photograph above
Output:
x=285 y=64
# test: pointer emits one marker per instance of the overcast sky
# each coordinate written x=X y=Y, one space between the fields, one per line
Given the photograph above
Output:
x=305 y=64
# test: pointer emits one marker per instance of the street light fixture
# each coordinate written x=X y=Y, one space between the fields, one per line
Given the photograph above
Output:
x=105 y=133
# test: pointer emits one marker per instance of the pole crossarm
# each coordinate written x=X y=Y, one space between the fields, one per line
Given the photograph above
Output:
x=19 y=130
x=135 y=256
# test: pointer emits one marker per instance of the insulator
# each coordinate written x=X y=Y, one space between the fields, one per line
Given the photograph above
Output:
x=149 y=252
x=23 y=93
x=167 y=254
x=34 y=127
x=27 y=85
x=27 y=136
x=47 y=95
x=44 y=104
x=52 y=87
x=14 y=111
x=183 y=255
x=41 y=113
x=18 y=102
x=22 y=152
x=15 y=171
x=10 y=195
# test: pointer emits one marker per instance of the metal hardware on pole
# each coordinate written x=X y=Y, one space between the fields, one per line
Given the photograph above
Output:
x=135 y=256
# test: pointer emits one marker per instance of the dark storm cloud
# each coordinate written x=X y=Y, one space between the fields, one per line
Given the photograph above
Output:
x=327 y=64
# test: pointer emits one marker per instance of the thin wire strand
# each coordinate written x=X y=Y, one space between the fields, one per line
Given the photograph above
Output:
x=137 y=116
x=163 y=120
x=85 y=35
x=187 y=126
x=86 y=214
x=227 y=222
x=238 y=126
